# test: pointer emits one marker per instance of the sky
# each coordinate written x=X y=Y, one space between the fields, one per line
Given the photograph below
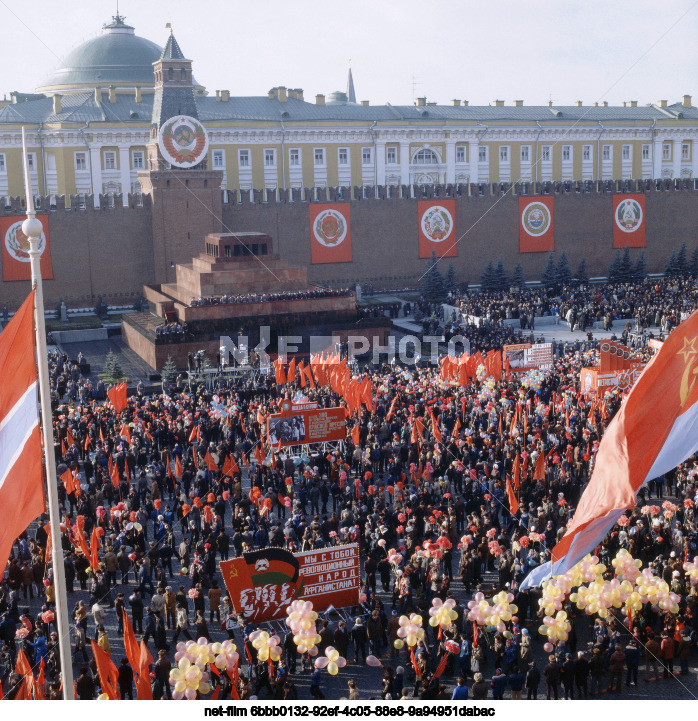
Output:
x=535 y=51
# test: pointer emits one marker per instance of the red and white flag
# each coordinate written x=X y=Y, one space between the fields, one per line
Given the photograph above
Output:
x=21 y=479
x=655 y=429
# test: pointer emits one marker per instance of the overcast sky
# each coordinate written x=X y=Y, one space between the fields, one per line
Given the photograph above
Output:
x=536 y=50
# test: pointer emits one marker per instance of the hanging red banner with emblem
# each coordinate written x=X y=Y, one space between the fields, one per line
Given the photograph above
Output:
x=536 y=224
x=15 y=249
x=437 y=228
x=330 y=233
x=629 y=221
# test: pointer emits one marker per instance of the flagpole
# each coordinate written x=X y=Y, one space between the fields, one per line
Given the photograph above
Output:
x=32 y=228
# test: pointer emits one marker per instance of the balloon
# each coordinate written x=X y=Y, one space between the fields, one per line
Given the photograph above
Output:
x=548 y=647
x=180 y=686
x=103 y=697
x=190 y=693
x=373 y=661
x=398 y=643
x=204 y=688
x=321 y=662
x=332 y=669
x=177 y=695
x=176 y=674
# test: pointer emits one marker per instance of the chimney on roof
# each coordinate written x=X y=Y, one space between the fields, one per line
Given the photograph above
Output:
x=112 y=94
x=319 y=100
x=225 y=96
x=283 y=95
x=578 y=103
x=465 y=103
x=421 y=101
x=624 y=104
x=605 y=103
x=596 y=105
x=365 y=103
x=218 y=96
x=663 y=103
x=686 y=101
x=550 y=103
x=57 y=107
x=518 y=103
x=455 y=103
x=498 y=103
x=295 y=93
x=633 y=103
x=98 y=95
x=139 y=96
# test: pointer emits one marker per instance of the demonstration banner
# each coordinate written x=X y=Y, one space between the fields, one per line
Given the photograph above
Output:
x=307 y=425
x=437 y=228
x=536 y=224
x=629 y=221
x=525 y=357
x=330 y=233
x=15 y=249
x=263 y=583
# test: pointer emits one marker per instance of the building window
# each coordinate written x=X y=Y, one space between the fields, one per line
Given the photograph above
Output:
x=545 y=154
x=482 y=154
x=504 y=154
x=626 y=152
x=294 y=157
x=366 y=156
x=30 y=161
x=606 y=152
x=685 y=151
x=269 y=157
x=109 y=160
x=218 y=159
x=344 y=156
x=586 y=152
x=2 y=162
x=666 y=151
x=566 y=152
x=392 y=156
x=244 y=158
x=80 y=161
x=460 y=154
x=137 y=158
x=525 y=153
x=646 y=151
x=319 y=156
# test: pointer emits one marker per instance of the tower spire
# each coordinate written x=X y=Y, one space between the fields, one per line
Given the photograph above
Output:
x=351 y=95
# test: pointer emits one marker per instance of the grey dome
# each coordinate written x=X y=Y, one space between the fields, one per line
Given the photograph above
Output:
x=116 y=57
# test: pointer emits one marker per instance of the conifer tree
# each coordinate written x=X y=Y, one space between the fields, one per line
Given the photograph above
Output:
x=640 y=271
x=433 y=282
x=112 y=367
x=581 y=274
x=450 y=282
x=625 y=269
x=169 y=371
x=563 y=272
x=549 y=276
x=517 y=279
x=487 y=279
x=500 y=276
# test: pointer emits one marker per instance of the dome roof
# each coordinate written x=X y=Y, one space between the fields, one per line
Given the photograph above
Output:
x=116 y=57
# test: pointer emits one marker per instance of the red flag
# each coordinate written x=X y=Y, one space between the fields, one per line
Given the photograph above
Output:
x=118 y=397
x=115 y=476
x=442 y=665
x=40 y=682
x=456 y=428
x=108 y=673
x=279 y=374
x=21 y=486
x=355 y=437
x=94 y=549
x=125 y=432
x=309 y=374
x=69 y=437
x=301 y=370
x=539 y=468
x=179 y=471
x=513 y=503
x=210 y=463
x=291 y=373
x=67 y=478
x=517 y=472
x=230 y=466
x=133 y=653
x=169 y=467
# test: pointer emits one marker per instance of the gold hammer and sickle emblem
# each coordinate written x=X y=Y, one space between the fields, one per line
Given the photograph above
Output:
x=688 y=379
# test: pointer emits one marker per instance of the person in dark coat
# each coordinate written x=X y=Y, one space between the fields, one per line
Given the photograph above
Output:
x=532 y=681
x=359 y=638
x=85 y=686
x=567 y=674
x=125 y=680
x=552 y=678
x=136 y=603
x=581 y=674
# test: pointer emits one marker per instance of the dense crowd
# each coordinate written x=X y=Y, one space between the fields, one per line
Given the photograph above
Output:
x=433 y=520
x=270 y=297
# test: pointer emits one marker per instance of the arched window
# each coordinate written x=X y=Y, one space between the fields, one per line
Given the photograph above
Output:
x=170 y=74
x=425 y=157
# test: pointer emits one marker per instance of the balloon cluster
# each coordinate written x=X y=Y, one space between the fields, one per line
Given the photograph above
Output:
x=497 y=614
x=441 y=613
x=301 y=620
x=189 y=676
x=626 y=567
x=267 y=646
x=556 y=628
x=691 y=568
x=410 y=631
x=332 y=661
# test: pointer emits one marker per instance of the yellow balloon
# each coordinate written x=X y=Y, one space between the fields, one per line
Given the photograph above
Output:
x=176 y=674
x=263 y=654
x=398 y=643
x=411 y=640
x=332 y=669
x=204 y=687
x=102 y=697
x=180 y=686
x=184 y=664
x=275 y=654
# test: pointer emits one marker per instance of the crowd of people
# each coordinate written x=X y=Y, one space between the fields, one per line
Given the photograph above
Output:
x=270 y=297
x=141 y=485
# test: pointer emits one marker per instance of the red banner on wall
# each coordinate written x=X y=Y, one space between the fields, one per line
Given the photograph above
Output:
x=263 y=583
x=15 y=247
x=330 y=233
x=536 y=224
x=437 y=228
x=629 y=221
x=313 y=425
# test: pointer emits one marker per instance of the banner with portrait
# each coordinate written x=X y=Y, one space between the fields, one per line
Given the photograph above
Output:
x=310 y=425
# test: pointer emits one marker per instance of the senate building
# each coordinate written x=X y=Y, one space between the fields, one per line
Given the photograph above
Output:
x=136 y=167
x=89 y=123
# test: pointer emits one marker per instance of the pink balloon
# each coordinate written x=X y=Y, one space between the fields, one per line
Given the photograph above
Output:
x=177 y=695
x=548 y=647
x=190 y=693
x=373 y=661
x=341 y=662
x=313 y=651
x=321 y=662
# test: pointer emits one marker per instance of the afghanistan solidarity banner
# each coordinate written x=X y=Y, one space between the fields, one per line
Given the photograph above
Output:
x=263 y=583
x=437 y=228
x=330 y=233
x=654 y=430
x=308 y=425
x=536 y=224
x=629 y=221
x=15 y=249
